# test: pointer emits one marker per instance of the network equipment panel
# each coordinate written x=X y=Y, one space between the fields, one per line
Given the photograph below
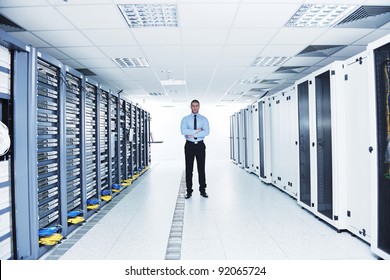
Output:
x=379 y=89
x=6 y=123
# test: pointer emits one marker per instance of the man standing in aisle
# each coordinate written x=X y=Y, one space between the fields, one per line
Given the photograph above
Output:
x=195 y=128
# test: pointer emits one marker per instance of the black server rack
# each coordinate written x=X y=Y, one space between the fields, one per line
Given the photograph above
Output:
x=382 y=86
x=138 y=139
x=91 y=148
x=134 y=126
x=114 y=143
x=122 y=140
x=261 y=138
x=142 y=144
x=6 y=129
x=128 y=136
x=74 y=163
x=47 y=219
x=324 y=145
x=304 y=143
x=104 y=134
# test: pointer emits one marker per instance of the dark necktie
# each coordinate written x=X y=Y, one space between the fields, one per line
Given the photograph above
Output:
x=195 y=126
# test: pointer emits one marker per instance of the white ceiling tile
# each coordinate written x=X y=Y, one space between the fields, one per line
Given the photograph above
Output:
x=72 y=63
x=83 y=52
x=204 y=36
x=63 y=38
x=157 y=35
x=341 y=36
x=243 y=61
x=97 y=62
x=15 y=3
x=282 y=50
x=264 y=14
x=371 y=37
x=31 y=18
x=110 y=73
x=201 y=61
x=210 y=15
x=167 y=72
x=54 y=53
x=193 y=51
x=94 y=16
x=76 y=2
x=242 y=50
x=349 y=51
x=30 y=38
x=259 y=71
x=251 y=36
x=302 y=61
x=139 y=74
x=289 y=35
x=121 y=52
x=110 y=37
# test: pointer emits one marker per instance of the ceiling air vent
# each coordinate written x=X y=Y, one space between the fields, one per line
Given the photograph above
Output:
x=269 y=61
x=149 y=15
x=139 y=62
x=367 y=17
x=291 y=69
x=320 y=50
x=157 y=93
x=9 y=26
x=270 y=82
x=86 y=72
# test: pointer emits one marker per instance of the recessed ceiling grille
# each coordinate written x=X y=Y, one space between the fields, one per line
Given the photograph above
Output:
x=271 y=82
x=320 y=50
x=9 y=26
x=269 y=61
x=252 y=81
x=86 y=72
x=318 y=15
x=291 y=69
x=149 y=15
x=131 y=62
x=157 y=93
x=367 y=17
x=237 y=93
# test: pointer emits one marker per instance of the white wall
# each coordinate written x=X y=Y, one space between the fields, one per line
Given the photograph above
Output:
x=165 y=126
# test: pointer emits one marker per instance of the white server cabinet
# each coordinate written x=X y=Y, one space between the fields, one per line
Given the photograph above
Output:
x=231 y=138
x=265 y=144
x=248 y=139
x=354 y=160
x=378 y=55
x=284 y=160
x=236 y=138
x=320 y=190
x=242 y=141
x=255 y=168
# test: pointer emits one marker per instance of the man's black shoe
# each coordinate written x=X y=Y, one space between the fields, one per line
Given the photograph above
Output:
x=204 y=194
x=188 y=195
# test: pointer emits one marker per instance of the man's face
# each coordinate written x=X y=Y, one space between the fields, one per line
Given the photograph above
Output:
x=195 y=107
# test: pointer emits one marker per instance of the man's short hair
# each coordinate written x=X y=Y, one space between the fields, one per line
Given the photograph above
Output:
x=195 y=101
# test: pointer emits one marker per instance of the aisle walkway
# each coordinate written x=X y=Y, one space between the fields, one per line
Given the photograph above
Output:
x=242 y=219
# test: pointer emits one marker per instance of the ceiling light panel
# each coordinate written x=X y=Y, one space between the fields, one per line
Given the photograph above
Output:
x=319 y=15
x=149 y=15
x=269 y=61
x=131 y=62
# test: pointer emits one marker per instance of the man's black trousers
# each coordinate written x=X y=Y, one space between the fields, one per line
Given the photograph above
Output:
x=198 y=151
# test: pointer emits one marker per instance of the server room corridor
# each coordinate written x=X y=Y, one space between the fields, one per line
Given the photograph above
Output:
x=243 y=219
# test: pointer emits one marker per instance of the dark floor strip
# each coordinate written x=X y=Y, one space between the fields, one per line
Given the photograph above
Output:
x=175 y=237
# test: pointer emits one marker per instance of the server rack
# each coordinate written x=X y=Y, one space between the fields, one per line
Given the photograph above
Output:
x=148 y=154
x=248 y=139
x=75 y=147
x=242 y=141
x=105 y=144
x=129 y=140
x=379 y=85
x=114 y=154
x=142 y=143
x=327 y=193
x=356 y=158
x=6 y=216
x=48 y=176
x=134 y=127
x=255 y=168
x=275 y=172
x=122 y=140
x=236 y=140
x=92 y=147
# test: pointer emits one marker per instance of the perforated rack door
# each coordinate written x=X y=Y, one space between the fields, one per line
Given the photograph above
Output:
x=114 y=140
x=122 y=139
x=48 y=160
x=91 y=141
x=104 y=144
x=73 y=141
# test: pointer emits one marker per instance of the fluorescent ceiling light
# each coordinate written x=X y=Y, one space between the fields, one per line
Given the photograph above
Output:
x=149 y=15
x=139 y=62
x=269 y=61
x=318 y=15
x=172 y=82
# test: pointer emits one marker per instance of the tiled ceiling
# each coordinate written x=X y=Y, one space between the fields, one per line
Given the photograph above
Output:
x=210 y=55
